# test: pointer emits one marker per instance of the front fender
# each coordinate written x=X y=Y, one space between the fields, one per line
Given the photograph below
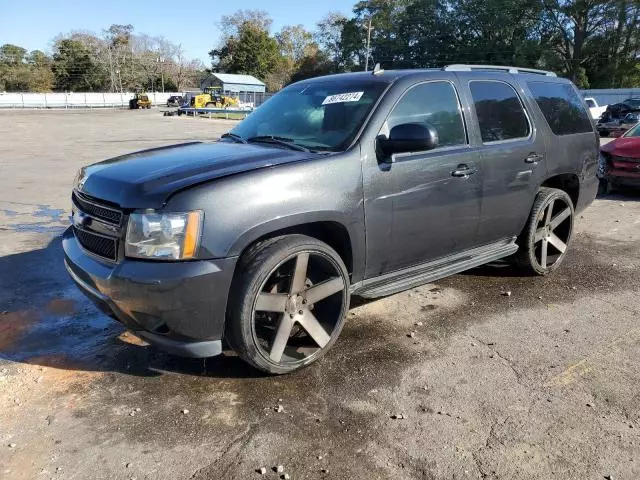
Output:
x=242 y=208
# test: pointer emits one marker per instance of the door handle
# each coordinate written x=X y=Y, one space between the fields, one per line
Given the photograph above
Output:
x=463 y=171
x=534 y=158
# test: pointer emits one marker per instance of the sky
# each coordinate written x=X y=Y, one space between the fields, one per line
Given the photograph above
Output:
x=33 y=24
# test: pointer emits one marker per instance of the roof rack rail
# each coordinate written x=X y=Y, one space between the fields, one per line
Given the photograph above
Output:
x=504 y=68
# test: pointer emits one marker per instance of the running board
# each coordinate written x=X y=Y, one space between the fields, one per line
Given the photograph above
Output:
x=411 y=277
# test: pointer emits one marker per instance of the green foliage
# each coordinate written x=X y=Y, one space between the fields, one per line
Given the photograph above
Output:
x=74 y=67
x=24 y=72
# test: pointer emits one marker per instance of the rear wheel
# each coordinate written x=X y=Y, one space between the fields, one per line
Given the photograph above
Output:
x=544 y=241
x=288 y=303
x=210 y=105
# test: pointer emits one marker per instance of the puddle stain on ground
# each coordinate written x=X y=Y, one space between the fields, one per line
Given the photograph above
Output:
x=54 y=214
x=35 y=219
x=65 y=326
x=13 y=325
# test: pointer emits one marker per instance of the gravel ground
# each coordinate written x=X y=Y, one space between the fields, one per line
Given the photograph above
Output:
x=543 y=383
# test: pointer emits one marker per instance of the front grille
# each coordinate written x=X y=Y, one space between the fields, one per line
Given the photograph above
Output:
x=101 y=212
x=97 y=244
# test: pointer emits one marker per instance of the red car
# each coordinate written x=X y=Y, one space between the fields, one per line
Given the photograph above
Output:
x=620 y=161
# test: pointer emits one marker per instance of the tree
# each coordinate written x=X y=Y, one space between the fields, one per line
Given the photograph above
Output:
x=75 y=67
x=251 y=52
x=295 y=42
x=329 y=37
x=389 y=45
x=41 y=77
x=230 y=25
x=571 y=24
x=24 y=72
x=313 y=64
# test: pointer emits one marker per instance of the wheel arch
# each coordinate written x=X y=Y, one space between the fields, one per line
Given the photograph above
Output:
x=330 y=229
x=567 y=182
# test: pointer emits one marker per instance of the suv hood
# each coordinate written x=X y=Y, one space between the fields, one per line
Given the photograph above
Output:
x=147 y=178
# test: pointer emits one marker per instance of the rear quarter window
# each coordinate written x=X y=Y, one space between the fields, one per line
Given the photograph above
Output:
x=561 y=107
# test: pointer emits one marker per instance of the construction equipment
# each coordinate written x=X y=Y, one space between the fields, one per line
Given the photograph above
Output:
x=140 y=100
x=213 y=97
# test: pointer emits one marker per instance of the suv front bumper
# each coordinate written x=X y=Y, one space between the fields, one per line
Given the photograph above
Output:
x=178 y=306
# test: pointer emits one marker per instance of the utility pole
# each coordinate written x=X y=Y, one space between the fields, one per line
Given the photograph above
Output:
x=160 y=61
x=369 y=28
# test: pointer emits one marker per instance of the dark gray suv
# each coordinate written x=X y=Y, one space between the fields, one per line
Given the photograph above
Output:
x=357 y=184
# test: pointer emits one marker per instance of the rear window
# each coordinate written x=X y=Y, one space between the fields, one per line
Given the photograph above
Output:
x=561 y=107
x=500 y=113
x=590 y=103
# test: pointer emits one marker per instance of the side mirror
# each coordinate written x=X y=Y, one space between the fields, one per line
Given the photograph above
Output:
x=409 y=137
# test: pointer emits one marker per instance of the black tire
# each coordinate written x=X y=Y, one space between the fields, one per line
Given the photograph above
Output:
x=253 y=332
x=210 y=105
x=604 y=133
x=540 y=241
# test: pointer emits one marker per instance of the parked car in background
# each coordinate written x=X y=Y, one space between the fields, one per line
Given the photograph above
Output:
x=617 y=127
x=365 y=184
x=620 y=161
x=595 y=110
x=174 y=101
x=618 y=111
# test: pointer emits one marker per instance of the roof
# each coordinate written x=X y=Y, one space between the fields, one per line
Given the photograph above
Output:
x=237 y=78
x=390 y=76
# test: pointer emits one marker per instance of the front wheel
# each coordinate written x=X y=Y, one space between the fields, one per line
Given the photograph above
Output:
x=288 y=303
x=544 y=241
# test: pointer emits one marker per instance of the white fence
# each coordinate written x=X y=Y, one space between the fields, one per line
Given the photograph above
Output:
x=77 y=99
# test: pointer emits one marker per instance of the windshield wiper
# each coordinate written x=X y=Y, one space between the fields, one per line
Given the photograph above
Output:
x=234 y=136
x=285 y=142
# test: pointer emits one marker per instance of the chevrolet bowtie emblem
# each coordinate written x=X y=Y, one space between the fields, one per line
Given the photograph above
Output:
x=79 y=219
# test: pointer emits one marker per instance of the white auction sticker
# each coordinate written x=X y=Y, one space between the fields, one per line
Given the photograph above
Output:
x=343 y=97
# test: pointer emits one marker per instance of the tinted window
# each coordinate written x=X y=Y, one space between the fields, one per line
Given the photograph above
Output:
x=591 y=103
x=435 y=103
x=499 y=110
x=562 y=107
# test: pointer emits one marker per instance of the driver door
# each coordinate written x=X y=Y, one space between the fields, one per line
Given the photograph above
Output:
x=420 y=206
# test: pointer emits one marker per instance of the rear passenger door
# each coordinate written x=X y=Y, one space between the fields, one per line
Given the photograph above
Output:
x=512 y=156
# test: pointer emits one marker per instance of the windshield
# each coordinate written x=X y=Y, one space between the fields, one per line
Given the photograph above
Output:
x=319 y=116
x=633 y=102
x=633 y=132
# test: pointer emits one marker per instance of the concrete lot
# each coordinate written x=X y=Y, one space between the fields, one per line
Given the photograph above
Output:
x=544 y=383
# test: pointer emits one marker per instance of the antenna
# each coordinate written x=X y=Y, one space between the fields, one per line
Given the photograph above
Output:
x=377 y=70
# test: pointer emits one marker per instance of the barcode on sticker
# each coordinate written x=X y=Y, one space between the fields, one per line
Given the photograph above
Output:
x=343 y=97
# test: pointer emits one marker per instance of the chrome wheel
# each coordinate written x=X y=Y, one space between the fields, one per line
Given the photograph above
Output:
x=553 y=231
x=299 y=308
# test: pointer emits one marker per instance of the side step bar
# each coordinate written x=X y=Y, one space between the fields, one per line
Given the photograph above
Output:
x=411 y=277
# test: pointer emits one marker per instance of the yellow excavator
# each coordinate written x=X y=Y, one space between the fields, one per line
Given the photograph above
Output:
x=213 y=97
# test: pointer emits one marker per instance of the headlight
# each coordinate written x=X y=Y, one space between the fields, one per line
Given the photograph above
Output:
x=165 y=236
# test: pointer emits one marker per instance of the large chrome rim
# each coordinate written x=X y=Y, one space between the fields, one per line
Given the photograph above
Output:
x=299 y=308
x=553 y=231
